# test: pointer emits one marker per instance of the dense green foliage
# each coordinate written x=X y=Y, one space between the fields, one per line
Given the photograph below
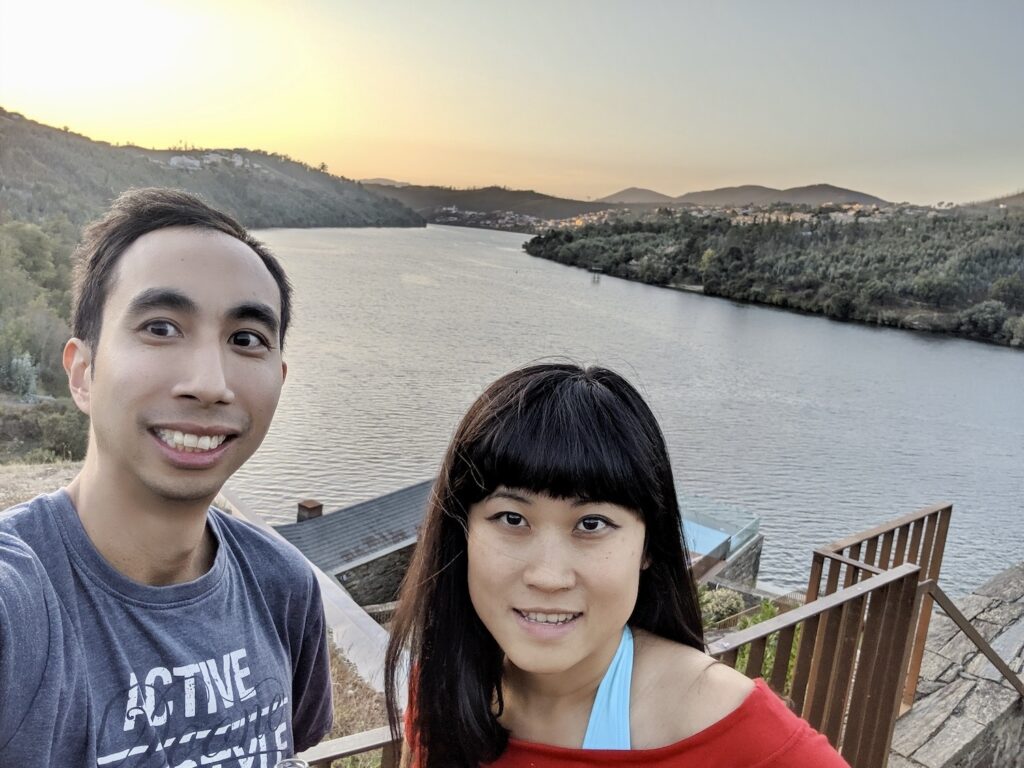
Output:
x=51 y=173
x=40 y=423
x=957 y=271
x=34 y=306
x=52 y=430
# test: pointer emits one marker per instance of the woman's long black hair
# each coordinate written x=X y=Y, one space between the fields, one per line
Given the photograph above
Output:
x=557 y=429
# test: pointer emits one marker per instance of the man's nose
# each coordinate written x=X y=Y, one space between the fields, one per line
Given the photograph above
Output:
x=205 y=377
x=551 y=566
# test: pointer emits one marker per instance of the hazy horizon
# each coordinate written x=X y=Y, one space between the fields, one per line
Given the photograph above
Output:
x=915 y=101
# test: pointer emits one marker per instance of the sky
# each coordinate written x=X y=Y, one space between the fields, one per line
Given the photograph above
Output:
x=906 y=100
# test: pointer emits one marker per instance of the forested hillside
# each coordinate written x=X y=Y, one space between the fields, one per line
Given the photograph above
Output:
x=426 y=200
x=958 y=271
x=34 y=308
x=49 y=173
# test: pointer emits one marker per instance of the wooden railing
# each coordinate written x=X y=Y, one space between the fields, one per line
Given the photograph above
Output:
x=918 y=538
x=838 y=661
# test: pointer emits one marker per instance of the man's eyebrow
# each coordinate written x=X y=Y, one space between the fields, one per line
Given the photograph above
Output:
x=258 y=311
x=162 y=298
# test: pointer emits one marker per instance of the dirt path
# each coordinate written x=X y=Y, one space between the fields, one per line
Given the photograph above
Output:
x=21 y=482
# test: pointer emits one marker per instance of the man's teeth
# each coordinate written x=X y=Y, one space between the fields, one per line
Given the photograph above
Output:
x=189 y=443
x=549 y=618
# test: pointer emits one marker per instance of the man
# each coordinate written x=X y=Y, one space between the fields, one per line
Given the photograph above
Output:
x=139 y=626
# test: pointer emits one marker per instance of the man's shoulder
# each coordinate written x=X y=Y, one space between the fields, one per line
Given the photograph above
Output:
x=263 y=550
x=24 y=585
x=31 y=521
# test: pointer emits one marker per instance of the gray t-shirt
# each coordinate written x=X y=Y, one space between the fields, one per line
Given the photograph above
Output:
x=228 y=670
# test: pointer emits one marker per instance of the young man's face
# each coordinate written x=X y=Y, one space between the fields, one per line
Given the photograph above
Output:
x=187 y=372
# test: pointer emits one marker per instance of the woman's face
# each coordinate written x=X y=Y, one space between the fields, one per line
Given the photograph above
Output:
x=554 y=580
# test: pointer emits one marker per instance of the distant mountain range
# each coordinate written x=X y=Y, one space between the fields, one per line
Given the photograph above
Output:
x=48 y=172
x=428 y=200
x=637 y=195
x=750 y=194
x=381 y=182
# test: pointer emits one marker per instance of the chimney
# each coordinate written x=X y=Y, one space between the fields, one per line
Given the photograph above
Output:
x=308 y=509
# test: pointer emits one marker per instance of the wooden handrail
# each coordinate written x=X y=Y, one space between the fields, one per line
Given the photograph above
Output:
x=919 y=537
x=807 y=610
x=838 y=660
x=888 y=527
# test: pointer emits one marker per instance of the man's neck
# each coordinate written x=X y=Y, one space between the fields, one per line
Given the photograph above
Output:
x=150 y=540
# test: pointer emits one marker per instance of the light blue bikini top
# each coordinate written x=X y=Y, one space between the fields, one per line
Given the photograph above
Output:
x=609 y=719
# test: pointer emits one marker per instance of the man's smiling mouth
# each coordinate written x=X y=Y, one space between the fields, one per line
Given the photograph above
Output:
x=188 y=442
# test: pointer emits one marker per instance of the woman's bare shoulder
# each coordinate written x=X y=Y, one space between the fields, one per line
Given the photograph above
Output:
x=678 y=691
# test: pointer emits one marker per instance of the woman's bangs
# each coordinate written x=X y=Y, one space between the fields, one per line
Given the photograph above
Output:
x=575 y=454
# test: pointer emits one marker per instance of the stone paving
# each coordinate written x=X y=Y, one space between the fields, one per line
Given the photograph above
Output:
x=966 y=715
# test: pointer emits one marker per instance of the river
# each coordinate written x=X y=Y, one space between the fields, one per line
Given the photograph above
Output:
x=822 y=428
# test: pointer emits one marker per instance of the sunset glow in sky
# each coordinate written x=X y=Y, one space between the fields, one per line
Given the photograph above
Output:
x=917 y=101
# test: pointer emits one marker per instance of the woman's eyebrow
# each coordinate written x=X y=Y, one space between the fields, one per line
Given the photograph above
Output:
x=505 y=493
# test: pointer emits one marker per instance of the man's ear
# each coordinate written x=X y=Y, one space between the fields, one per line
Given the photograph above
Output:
x=284 y=371
x=78 y=365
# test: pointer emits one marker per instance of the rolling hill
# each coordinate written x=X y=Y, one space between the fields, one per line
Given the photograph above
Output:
x=637 y=195
x=425 y=200
x=48 y=172
x=815 y=194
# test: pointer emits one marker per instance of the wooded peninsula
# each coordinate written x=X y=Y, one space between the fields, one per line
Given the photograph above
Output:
x=958 y=271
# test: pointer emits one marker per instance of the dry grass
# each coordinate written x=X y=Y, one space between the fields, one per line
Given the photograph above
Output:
x=21 y=482
x=357 y=707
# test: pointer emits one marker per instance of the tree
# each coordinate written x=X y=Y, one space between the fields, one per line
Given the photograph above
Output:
x=1009 y=290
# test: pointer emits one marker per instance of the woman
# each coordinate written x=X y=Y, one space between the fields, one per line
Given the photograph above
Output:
x=549 y=614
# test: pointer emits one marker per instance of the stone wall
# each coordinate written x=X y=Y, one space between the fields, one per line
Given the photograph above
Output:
x=966 y=715
x=742 y=567
x=378 y=580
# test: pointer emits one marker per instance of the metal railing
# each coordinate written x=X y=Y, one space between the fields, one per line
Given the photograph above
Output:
x=838 y=660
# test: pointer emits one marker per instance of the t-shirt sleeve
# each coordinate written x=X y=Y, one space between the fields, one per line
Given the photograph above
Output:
x=24 y=632
x=36 y=665
x=313 y=710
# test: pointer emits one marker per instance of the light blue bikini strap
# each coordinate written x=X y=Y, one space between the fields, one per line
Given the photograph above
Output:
x=609 y=719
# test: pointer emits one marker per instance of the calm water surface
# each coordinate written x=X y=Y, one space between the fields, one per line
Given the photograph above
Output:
x=822 y=428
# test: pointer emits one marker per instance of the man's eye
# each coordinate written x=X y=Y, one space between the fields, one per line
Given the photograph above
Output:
x=593 y=524
x=248 y=340
x=162 y=328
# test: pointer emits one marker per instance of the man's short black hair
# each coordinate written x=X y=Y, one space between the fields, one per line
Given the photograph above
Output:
x=132 y=215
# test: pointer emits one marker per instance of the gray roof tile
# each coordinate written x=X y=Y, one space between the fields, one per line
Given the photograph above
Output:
x=338 y=540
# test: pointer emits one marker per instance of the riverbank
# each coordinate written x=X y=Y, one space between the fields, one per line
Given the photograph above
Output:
x=954 y=273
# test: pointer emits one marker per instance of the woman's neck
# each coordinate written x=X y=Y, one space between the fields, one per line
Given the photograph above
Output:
x=554 y=708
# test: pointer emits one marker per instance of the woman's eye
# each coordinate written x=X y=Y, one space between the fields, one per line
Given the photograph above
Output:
x=162 y=328
x=248 y=340
x=513 y=519
x=593 y=524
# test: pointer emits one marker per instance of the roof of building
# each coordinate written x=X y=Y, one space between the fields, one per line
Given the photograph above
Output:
x=340 y=540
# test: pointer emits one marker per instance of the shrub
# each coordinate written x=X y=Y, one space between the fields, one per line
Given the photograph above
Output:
x=719 y=604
